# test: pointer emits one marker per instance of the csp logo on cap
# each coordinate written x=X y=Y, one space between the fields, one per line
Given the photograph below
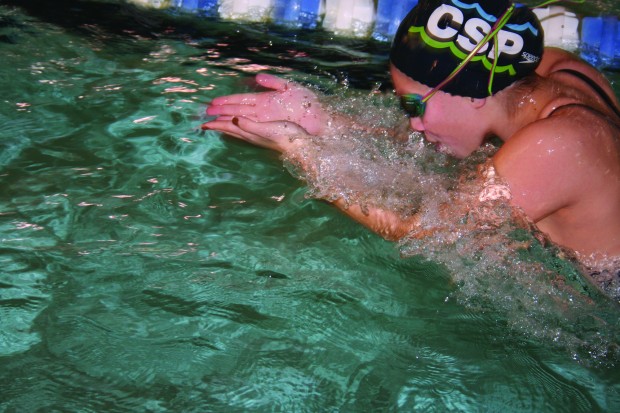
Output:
x=448 y=23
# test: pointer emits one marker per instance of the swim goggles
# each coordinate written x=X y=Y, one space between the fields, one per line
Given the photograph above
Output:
x=414 y=104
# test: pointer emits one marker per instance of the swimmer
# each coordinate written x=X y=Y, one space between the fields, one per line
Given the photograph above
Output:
x=466 y=71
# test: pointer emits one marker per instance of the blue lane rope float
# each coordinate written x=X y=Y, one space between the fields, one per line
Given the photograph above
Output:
x=595 y=38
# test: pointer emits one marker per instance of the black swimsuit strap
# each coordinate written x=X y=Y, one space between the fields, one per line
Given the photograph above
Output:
x=614 y=122
x=596 y=87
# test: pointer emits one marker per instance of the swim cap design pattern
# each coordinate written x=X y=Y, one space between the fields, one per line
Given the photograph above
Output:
x=437 y=35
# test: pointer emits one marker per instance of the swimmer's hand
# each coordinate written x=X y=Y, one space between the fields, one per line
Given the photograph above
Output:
x=287 y=103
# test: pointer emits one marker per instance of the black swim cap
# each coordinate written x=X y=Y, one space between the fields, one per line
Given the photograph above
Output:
x=437 y=35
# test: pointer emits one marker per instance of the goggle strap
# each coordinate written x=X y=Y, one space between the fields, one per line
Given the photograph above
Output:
x=499 y=23
x=548 y=2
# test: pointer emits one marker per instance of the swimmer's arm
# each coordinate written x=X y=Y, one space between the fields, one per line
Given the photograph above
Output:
x=445 y=218
x=287 y=137
x=290 y=104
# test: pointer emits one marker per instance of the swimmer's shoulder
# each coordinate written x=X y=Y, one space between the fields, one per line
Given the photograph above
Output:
x=555 y=59
x=566 y=126
x=570 y=70
x=553 y=162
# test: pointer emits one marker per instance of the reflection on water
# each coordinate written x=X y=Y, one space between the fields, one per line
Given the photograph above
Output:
x=147 y=266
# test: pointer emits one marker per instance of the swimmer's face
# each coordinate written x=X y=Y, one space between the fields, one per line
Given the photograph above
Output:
x=449 y=121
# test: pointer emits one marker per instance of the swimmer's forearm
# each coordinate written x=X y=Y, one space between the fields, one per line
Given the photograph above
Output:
x=387 y=224
x=345 y=124
x=391 y=225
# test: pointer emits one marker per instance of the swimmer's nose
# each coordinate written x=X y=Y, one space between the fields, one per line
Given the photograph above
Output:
x=417 y=124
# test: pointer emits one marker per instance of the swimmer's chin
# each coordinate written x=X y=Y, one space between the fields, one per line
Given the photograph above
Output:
x=446 y=150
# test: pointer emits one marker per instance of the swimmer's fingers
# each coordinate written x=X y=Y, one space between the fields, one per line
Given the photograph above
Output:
x=267 y=81
x=263 y=105
x=280 y=132
x=245 y=110
x=237 y=99
x=273 y=82
x=278 y=136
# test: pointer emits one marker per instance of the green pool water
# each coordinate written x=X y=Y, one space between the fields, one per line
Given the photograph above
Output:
x=146 y=266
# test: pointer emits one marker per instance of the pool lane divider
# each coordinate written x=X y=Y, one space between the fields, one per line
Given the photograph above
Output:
x=596 y=39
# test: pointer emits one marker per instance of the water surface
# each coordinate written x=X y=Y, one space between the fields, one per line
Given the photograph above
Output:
x=147 y=266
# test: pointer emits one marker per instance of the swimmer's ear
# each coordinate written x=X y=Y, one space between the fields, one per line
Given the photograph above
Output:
x=477 y=103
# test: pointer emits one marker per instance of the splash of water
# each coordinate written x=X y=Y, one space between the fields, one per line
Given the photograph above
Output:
x=496 y=257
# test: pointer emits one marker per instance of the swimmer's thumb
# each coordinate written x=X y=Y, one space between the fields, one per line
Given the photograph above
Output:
x=271 y=82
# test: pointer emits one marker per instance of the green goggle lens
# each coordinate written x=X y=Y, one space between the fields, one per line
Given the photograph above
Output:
x=413 y=104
